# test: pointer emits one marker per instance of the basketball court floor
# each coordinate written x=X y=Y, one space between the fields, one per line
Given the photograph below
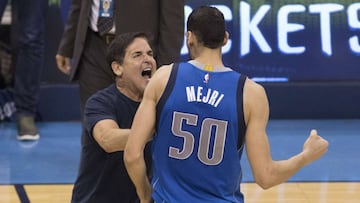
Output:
x=44 y=171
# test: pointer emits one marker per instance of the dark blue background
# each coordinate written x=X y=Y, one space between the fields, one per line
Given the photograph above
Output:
x=312 y=65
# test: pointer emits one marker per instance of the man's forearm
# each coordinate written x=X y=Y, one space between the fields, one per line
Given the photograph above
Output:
x=137 y=171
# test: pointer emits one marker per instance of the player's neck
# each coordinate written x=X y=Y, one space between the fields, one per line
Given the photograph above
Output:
x=210 y=57
x=209 y=67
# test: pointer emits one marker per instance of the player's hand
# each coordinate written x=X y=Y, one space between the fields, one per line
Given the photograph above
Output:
x=63 y=64
x=314 y=147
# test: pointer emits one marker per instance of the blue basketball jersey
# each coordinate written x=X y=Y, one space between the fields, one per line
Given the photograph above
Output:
x=199 y=137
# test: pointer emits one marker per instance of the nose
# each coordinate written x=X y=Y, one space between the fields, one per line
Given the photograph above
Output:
x=148 y=58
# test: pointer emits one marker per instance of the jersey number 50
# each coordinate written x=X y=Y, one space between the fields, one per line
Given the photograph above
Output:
x=206 y=128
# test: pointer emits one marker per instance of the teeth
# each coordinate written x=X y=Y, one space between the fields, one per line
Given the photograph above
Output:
x=146 y=72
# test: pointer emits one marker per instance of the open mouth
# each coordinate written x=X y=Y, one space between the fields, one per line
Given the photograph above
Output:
x=146 y=73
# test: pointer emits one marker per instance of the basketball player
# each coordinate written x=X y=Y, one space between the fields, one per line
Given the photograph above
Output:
x=203 y=114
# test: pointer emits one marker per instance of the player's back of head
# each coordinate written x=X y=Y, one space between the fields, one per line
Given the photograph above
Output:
x=208 y=25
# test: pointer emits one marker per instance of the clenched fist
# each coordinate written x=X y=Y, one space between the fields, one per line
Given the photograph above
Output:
x=314 y=147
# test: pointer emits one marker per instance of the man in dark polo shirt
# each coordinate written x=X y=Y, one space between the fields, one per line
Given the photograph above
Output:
x=108 y=116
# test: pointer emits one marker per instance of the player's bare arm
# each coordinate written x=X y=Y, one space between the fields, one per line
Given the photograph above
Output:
x=142 y=131
x=266 y=171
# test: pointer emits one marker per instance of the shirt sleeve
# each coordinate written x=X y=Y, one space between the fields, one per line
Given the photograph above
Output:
x=97 y=108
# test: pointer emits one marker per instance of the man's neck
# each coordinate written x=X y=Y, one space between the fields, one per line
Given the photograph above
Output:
x=209 y=67
x=211 y=57
x=133 y=95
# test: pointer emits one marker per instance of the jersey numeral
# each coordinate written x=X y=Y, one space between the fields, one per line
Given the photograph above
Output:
x=208 y=125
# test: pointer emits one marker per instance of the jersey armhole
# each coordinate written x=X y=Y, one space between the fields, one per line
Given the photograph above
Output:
x=240 y=111
x=167 y=91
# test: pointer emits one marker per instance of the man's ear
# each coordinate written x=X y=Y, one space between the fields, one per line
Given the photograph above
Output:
x=189 y=38
x=226 y=38
x=117 y=68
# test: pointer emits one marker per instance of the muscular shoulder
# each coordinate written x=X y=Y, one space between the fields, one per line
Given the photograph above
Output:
x=163 y=72
x=253 y=89
x=158 y=82
x=255 y=100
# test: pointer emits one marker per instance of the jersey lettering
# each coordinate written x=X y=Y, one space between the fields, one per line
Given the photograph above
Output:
x=208 y=96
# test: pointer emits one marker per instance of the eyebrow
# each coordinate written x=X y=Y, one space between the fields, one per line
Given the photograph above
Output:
x=140 y=52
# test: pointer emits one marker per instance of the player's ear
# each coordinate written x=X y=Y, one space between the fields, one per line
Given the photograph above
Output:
x=190 y=38
x=117 y=68
x=226 y=38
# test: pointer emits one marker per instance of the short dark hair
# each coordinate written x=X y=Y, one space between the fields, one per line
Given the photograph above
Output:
x=208 y=25
x=117 y=48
